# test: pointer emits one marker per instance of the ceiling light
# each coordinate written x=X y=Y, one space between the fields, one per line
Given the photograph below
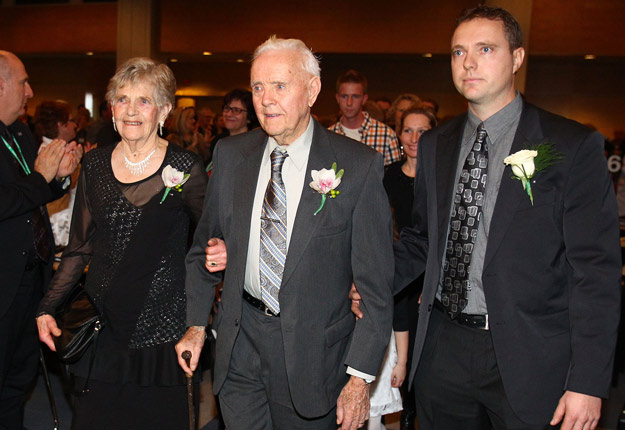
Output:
x=207 y=53
x=427 y=55
x=89 y=53
x=173 y=60
x=590 y=57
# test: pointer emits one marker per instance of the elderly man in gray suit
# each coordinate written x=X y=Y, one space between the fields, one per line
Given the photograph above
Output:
x=289 y=352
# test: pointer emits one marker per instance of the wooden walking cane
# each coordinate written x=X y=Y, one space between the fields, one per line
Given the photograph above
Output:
x=55 y=414
x=186 y=355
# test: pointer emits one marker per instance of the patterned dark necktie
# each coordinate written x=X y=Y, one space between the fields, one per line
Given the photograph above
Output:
x=463 y=226
x=273 y=234
x=41 y=236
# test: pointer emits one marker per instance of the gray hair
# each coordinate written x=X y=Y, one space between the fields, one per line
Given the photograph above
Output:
x=142 y=70
x=310 y=63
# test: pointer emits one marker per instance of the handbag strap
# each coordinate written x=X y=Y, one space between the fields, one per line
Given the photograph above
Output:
x=97 y=328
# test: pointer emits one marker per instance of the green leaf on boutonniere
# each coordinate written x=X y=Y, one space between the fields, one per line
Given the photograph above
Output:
x=547 y=156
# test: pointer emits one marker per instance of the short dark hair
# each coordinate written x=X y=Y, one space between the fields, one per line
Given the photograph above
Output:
x=511 y=27
x=245 y=97
x=47 y=116
x=352 y=77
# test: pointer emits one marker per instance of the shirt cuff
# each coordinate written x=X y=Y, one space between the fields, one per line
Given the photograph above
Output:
x=368 y=378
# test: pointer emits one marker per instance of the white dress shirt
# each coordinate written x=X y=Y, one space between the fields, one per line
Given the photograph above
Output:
x=293 y=176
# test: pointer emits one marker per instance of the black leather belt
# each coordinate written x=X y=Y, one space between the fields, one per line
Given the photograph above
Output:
x=258 y=304
x=473 y=321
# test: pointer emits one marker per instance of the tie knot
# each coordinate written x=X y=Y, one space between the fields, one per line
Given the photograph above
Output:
x=481 y=133
x=277 y=159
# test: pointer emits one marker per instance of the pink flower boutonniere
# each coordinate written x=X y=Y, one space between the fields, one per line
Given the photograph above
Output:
x=172 y=178
x=325 y=182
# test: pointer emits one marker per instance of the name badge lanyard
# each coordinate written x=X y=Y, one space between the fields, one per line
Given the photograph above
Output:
x=20 y=159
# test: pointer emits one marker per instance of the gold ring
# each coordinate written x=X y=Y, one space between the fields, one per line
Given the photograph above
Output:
x=212 y=263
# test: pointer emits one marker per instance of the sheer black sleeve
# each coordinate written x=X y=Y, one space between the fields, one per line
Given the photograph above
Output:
x=194 y=190
x=76 y=255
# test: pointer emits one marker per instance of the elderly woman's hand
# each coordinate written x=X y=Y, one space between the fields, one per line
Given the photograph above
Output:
x=192 y=341
x=46 y=324
x=216 y=255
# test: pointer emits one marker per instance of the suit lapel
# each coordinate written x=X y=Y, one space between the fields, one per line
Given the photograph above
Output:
x=321 y=156
x=447 y=153
x=243 y=196
x=510 y=191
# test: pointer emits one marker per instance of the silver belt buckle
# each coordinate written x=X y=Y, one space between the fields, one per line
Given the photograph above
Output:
x=268 y=312
x=486 y=326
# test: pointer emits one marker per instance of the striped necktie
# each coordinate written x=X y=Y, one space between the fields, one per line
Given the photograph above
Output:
x=273 y=234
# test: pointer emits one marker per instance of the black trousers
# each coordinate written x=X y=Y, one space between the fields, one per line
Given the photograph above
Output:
x=19 y=349
x=255 y=395
x=458 y=385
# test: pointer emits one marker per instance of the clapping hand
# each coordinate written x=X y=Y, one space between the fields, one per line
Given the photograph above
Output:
x=49 y=159
x=71 y=158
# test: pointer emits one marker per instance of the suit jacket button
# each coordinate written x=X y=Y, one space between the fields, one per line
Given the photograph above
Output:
x=24 y=253
x=27 y=221
x=429 y=308
x=236 y=322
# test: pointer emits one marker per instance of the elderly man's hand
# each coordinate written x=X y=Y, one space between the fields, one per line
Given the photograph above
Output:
x=354 y=296
x=193 y=340
x=216 y=255
x=352 y=406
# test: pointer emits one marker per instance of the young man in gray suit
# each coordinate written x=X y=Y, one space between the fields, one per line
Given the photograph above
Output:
x=525 y=337
x=289 y=352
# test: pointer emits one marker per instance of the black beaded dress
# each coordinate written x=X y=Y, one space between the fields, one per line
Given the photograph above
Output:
x=135 y=246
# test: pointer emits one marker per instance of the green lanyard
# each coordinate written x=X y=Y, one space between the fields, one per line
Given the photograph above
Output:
x=21 y=160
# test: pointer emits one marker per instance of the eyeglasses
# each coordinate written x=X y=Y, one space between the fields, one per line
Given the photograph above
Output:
x=234 y=110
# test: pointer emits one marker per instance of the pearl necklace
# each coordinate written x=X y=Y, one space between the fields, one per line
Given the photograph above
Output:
x=138 y=168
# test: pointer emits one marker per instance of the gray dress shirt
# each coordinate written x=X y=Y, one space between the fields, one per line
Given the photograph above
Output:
x=500 y=129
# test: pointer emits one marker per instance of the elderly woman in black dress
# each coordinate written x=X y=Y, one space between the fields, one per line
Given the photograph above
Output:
x=133 y=232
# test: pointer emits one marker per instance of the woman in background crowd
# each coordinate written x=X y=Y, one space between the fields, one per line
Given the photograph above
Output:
x=238 y=114
x=52 y=121
x=183 y=132
x=398 y=182
x=401 y=104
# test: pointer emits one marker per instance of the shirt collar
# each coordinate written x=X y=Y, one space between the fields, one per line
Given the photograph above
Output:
x=366 y=122
x=298 y=150
x=499 y=123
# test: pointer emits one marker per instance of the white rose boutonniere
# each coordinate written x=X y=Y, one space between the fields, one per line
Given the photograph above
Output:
x=526 y=162
x=324 y=182
x=173 y=178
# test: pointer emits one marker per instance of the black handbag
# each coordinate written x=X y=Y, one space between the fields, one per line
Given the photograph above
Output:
x=80 y=323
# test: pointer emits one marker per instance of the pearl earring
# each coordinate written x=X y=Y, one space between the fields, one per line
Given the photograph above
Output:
x=114 y=125
x=160 y=127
